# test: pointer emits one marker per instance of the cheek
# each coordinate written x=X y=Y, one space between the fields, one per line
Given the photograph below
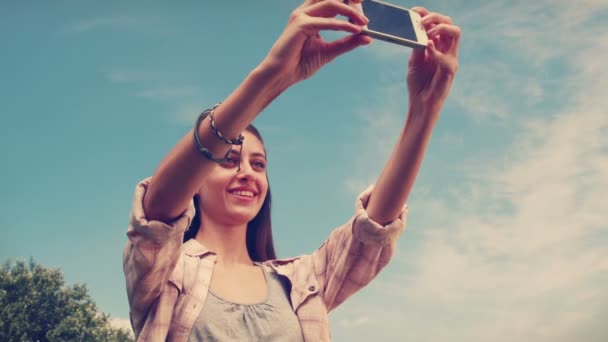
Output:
x=211 y=192
x=209 y=200
x=218 y=181
x=263 y=184
x=263 y=198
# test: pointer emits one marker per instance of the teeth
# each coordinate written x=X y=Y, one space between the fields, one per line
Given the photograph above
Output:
x=243 y=193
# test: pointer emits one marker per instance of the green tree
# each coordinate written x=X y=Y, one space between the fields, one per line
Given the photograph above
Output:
x=36 y=305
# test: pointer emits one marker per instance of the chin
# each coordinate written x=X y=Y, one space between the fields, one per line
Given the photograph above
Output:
x=240 y=217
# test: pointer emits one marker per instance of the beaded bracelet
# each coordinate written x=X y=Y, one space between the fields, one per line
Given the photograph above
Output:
x=237 y=141
x=203 y=150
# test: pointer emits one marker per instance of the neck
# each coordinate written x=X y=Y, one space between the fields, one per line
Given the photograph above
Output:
x=229 y=242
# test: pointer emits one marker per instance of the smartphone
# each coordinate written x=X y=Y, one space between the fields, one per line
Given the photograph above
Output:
x=393 y=23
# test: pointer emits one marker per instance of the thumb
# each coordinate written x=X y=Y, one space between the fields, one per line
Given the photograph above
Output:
x=432 y=49
x=418 y=56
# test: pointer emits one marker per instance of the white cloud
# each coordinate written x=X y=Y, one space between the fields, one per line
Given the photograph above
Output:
x=377 y=138
x=121 y=323
x=184 y=101
x=354 y=322
x=138 y=75
x=517 y=252
x=381 y=49
x=186 y=113
x=121 y=22
x=451 y=139
x=169 y=93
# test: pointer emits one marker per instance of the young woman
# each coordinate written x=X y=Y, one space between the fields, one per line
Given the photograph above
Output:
x=200 y=262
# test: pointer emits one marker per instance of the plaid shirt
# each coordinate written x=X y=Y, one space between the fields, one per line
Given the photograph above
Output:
x=168 y=281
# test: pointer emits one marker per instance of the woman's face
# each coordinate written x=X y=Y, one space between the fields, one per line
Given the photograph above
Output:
x=232 y=198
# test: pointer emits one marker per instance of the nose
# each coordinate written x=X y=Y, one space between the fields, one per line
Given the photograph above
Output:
x=245 y=172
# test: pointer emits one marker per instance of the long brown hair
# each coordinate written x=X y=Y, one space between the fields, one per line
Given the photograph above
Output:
x=259 y=230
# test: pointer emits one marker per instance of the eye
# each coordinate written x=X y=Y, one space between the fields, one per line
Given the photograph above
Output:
x=259 y=164
x=229 y=162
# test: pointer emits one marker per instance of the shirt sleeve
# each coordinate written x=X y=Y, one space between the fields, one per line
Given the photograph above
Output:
x=151 y=254
x=355 y=253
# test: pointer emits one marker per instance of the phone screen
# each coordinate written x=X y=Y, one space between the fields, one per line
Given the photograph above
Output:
x=390 y=20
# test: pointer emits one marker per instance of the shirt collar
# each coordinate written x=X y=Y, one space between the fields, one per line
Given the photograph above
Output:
x=194 y=248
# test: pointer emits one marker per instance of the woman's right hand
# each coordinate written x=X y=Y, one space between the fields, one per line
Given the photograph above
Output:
x=300 y=50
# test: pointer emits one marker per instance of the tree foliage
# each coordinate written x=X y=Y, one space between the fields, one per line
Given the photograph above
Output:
x=36 y=305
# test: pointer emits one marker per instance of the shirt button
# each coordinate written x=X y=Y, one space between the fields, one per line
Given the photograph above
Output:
x=311 y=288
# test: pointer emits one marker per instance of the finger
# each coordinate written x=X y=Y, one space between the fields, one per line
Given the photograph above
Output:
x=356 y=5
x=439 y=76
x=417 y=57
x=449 y=30
x=449 y=35
x=446 y=63
x=316 y=24
x=432 y=49
x=332 y=8
x=455 y=46
x=346 y=44
x=451 y=44
x=441 y=82
x=435 y=18
x=421 y=10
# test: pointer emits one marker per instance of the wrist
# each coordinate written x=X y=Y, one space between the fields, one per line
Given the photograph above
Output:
x=423 y=114
x=270 y=77
x=257 y=90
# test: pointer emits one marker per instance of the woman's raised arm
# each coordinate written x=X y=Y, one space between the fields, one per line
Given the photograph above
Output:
x=298 y=53
x=178 y=176
x=430 y=75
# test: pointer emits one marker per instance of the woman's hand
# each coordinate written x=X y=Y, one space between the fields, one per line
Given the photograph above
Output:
x=300 y=50
x=432 y=70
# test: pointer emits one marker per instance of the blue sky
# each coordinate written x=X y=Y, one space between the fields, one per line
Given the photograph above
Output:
x=507 y=232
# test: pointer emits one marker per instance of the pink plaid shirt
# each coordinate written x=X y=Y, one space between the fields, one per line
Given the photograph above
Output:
x=168 y=281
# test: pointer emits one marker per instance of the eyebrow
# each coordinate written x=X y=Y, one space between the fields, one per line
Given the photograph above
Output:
x=258 y=154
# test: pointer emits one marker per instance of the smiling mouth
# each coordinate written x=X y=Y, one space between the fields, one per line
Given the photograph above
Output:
x=243 y=193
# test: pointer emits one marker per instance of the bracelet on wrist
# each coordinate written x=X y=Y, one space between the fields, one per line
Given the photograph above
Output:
x=203 y=150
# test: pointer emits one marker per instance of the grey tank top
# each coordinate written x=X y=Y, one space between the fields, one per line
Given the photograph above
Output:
x=271 y=320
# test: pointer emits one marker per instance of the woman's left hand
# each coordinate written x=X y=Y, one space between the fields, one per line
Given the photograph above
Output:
x=432 y=70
